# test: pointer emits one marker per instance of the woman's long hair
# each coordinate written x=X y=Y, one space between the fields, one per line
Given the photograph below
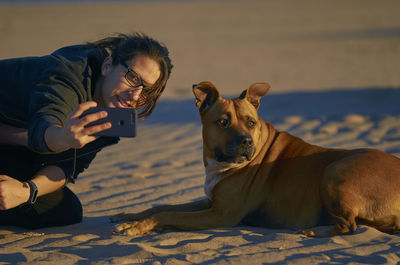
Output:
x=128 y=47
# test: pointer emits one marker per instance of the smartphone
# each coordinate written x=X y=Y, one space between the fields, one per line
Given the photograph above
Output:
x=123 y=121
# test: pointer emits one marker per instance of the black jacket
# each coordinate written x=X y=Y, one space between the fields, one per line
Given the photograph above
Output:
x=38 y=91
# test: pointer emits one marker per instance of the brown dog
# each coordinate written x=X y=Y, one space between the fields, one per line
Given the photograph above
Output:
x=260 y=176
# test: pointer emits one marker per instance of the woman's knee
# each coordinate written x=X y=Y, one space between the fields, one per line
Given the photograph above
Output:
x=66 y=210
x=55 y=209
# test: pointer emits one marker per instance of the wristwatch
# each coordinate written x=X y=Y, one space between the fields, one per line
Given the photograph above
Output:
x=33 y=192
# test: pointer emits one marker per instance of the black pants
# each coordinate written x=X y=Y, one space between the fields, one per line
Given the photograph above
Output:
x=55 y=209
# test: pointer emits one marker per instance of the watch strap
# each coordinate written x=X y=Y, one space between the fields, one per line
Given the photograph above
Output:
x=33 y=192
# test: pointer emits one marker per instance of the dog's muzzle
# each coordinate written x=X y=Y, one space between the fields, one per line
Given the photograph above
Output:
x=239 y=150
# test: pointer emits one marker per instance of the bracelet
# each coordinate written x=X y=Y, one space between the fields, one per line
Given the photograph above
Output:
x=33 y=192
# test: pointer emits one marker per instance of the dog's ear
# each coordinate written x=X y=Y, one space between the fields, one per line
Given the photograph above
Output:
x=206 y=94
x=255 y=92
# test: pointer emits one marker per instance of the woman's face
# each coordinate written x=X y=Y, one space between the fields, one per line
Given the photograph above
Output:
x=114 y=90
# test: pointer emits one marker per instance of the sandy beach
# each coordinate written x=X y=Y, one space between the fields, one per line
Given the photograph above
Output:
x=334 y=72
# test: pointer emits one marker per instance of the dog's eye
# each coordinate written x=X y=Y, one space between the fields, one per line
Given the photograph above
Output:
x=251 y=124
x=223 y=123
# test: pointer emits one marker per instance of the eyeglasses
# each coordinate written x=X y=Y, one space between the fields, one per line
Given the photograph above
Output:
x=133 y=78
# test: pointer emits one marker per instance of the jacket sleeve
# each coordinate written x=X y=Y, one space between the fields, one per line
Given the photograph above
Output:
x=74 y=161
x=53 y=98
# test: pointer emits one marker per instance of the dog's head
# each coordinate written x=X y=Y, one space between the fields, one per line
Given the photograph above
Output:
x=231 y=127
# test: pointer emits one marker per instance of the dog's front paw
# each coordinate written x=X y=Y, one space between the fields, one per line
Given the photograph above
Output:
x=135 y=228
x=125 y=229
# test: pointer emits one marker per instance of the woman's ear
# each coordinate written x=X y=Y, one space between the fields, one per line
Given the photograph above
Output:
x=106 y=66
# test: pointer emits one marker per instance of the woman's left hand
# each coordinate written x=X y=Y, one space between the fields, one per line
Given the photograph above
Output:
x=12 y=192
x=75 y=134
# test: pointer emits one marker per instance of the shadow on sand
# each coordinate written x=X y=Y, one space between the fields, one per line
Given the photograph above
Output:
x=274 y=106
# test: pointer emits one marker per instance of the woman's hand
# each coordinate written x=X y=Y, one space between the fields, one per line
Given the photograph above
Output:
x=12 y=192
x=74 y=134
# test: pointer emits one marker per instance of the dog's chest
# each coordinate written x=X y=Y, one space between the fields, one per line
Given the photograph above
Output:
x=215 y=172
x=212 y=179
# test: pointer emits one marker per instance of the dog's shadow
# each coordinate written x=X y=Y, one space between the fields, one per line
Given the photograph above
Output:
x=278 y=246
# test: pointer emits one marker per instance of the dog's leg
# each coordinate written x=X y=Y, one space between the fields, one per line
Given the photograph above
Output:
x=205 y=219
x=388 y=224
x=186 y=207
x=342 y=225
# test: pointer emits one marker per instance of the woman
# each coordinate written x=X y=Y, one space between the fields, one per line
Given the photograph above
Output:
x=43 y=139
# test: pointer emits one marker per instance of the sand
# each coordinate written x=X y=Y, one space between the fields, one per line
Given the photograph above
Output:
x=334 y=71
